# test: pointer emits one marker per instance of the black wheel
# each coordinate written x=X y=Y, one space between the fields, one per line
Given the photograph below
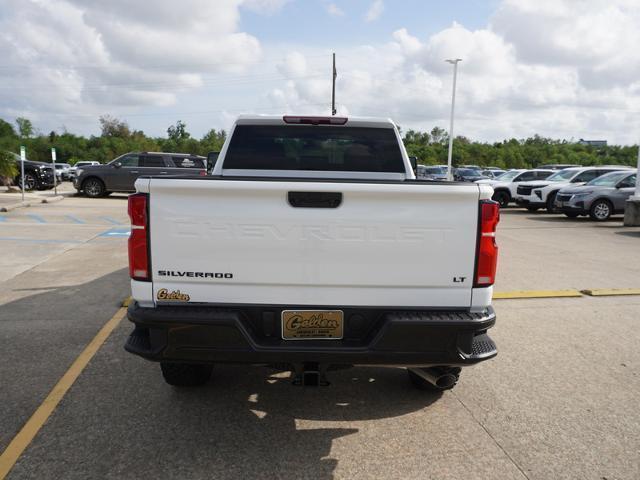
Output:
x=30 y=182
x=571 y=214
x=601 y=210
x=551 y=203
x=502 y=197
x=93 y=187
x=185 y=374
x=422 y=384
x=533 y=209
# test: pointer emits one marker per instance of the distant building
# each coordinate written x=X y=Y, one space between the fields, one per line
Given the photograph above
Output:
x=593 y=143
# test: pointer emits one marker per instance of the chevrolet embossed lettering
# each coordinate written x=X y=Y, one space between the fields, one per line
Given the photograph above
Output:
x=312 y=324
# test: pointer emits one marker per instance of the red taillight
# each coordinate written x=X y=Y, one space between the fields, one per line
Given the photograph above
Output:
x=487 y=255
x=315 y=120
x=203 y=173
x=138 y=251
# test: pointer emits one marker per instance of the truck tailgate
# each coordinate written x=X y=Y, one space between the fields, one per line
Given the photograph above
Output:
x=235 y=241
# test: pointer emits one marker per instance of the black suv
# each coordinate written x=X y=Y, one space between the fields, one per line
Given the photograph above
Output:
x=121 y=174
x=37 y=175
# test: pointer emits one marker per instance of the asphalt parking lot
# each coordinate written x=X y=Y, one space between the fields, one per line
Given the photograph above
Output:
x=559 y=401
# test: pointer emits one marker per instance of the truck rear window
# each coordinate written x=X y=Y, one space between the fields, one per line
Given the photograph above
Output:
x=320 y=148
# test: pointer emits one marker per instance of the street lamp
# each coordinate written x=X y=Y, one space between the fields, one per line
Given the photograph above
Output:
x=632 y=207
x=454 y=62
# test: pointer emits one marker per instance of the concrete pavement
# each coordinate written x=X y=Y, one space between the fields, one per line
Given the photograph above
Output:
x=559 y=401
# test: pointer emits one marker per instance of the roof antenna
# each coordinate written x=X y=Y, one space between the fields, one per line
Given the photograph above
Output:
x=333 y=88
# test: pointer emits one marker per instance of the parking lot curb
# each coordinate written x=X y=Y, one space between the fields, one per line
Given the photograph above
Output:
x=515 y=294
x=13 y=206
x=604 y=292
x=52 y=199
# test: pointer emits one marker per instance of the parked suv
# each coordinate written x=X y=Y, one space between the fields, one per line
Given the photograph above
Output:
x=37 y=175
x=80 y=164
x=468 y=174
x=535 y=195
x=600 y=198
x=504 y=187
x=62 y=171
x=121 y=174
x=430 y=172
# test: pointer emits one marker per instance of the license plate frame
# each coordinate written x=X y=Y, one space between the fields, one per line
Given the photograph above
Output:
x=312 y=324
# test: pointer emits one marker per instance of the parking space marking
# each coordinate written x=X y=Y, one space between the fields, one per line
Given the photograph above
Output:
x=37 y=240
x=30 y=429
x=75 y=219
x=515 y=294
x=37 y=218
x=603 y=292
x=113 y=221
x=117 y=232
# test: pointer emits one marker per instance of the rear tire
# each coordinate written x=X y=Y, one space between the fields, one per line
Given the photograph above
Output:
x=186 y=374
x=421 y=384
x=601 y=210
x=93 y=187
x=502 y=197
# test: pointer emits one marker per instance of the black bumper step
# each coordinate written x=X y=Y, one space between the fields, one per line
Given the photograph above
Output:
x=384 y=337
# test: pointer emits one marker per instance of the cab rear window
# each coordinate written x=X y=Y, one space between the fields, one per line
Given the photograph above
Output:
x=318 y=148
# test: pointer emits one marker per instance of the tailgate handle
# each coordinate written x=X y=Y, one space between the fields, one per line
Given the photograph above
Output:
x=315 y=199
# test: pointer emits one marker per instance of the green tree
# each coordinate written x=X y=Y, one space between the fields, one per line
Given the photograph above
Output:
x=178 y=132
x=6 y=130
x=25 y=127
x=8 y=169
x=113 y=127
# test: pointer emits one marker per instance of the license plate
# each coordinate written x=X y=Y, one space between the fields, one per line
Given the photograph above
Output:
x=312 y=324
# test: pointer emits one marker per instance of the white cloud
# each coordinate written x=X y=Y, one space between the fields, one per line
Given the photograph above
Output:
x=375 y=10
x=294 y=65
x=83 y=57
x=334 y=10
x=539 y=66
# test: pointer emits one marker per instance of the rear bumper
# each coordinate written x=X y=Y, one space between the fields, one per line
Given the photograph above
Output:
x=252 y=335
x=528 y=202
x=580 y=210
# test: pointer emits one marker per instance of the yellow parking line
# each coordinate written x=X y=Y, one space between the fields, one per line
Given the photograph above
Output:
x=30 y=429
x=126 y=301
x=601 y=292
x=536 y=294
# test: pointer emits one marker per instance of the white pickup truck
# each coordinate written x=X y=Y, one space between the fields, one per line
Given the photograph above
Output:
x=310 y=246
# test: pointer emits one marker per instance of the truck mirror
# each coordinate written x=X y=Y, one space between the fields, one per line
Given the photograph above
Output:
x=414 y=164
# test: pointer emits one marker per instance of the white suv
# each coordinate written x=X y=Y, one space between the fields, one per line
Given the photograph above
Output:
x=535 y=195
x=504 y=186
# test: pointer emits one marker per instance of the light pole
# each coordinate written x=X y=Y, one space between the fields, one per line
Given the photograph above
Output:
x=632 y=206
x=454 y=62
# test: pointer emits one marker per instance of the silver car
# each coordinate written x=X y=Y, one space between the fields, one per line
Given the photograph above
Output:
x=600 y=198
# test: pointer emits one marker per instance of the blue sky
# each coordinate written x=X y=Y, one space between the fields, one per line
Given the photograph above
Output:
x=292 y=24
